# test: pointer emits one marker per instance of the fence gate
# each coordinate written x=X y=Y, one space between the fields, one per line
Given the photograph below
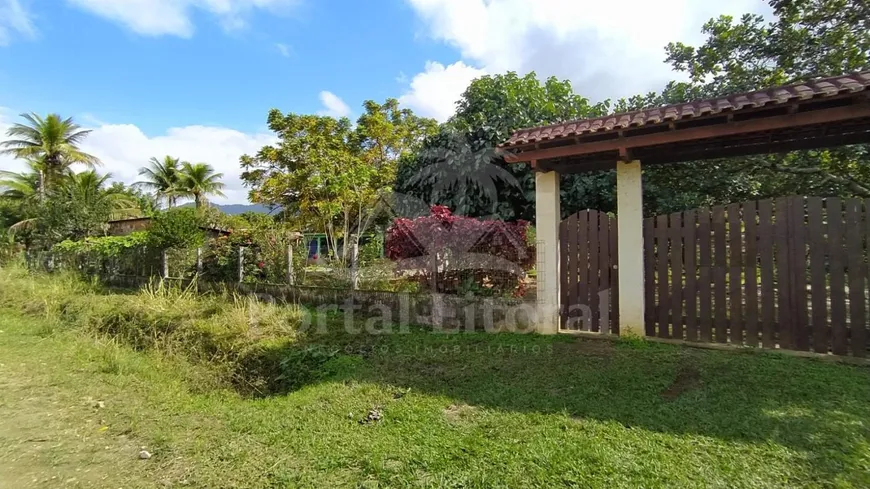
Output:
x=588 y=279
x=788 y=273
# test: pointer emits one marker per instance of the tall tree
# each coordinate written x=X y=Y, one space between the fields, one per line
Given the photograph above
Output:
x=21 y=187
x=52 y=143
x=806 y=39
x=385 y=132
x=163 y=177
x=459 y=167
x=330 y=174
x=80 y=207
x=199 y=180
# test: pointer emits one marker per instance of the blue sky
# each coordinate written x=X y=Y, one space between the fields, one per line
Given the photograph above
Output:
x=195 y=78
x=215 y=76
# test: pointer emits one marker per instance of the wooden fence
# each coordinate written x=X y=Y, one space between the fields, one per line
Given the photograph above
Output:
x=790 y=273
x=588 y=278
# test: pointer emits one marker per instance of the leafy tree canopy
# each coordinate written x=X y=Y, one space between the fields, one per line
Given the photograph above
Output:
x=458 y=167
x=328 y=174
x=176 y=229
x=808 y=38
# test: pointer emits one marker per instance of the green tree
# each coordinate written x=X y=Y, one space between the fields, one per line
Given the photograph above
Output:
x=20 y=187
x=164 y=178
x=51 y=144
x=459 y=167
x=176 y=229
x=79 y=207
x=199 y=180
x=329 y=174
x=807 y=39
x=385 y=132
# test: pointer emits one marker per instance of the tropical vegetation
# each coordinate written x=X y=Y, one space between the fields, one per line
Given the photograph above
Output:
x=347 y=179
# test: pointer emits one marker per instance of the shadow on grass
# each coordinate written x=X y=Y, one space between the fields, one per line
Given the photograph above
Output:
x=815 y=407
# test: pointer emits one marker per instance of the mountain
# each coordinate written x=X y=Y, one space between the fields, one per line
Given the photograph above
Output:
x=235 y=209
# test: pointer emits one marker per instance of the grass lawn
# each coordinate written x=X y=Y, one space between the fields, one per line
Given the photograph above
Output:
x=429 y=410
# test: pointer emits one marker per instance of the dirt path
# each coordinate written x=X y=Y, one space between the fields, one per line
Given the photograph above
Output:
x=51 y=433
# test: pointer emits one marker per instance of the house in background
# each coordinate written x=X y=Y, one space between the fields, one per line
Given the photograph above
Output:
x=123 y=227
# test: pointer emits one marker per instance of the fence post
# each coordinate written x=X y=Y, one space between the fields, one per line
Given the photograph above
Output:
x=354 y=262
x=241 y=264
x=165 y=263
x=291 y=280
x=199 y=260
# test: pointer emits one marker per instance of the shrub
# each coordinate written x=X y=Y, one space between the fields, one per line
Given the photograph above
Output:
x=455 y=251
x=265 y=255
x=176 y=228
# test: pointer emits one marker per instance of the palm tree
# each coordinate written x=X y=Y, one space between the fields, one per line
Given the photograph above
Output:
x=199 y=180
x=88 y=190
x=20 y=187
x=164 y=177
x=50 y=141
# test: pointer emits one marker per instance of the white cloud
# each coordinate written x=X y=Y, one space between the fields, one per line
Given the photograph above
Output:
x=124 y=148
x=607 y=49
x=173 y=17
x=333 y=105
x=434 y=92
x=14 y=19
x=283 y=49
x=7 y=163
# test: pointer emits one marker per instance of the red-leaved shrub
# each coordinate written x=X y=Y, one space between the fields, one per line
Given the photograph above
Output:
x=462 y=254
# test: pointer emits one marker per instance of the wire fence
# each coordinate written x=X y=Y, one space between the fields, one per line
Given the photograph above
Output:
x=292 y=262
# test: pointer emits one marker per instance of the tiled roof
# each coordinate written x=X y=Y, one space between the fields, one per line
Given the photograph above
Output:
x=825 y=87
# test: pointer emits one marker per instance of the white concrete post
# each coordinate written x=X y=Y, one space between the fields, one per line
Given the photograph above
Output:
x=164 y=260
x=547 y=216
x=241 y=264
x=291 y=278
x=354 y=262
x=629 y=213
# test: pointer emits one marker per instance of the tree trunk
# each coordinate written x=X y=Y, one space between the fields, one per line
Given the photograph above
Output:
x=41 y=186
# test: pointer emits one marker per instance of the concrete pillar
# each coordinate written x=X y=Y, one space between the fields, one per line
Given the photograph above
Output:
x=629 y=204
x=547 y=216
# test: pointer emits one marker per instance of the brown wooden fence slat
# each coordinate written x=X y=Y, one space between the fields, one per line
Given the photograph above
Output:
x=836 y=251
x=818 y=275
x=798 y=256
x=676 y=303
x=735 y=274
x=783 y=275
x=564 y=266
x=705 y=316
x=691 y=290
x=571 y=272
x=582 y=295
x=649 y=288
x=861 y=335
x=855 y=257
x=606 y=269
x=614 y=257
x=720 y=262
x=766 y=273
x=594 y=270
x=864 y=334
x=662 y=281
x=750 y=272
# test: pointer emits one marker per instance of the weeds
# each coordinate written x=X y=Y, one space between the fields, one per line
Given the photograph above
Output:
x=227 y=331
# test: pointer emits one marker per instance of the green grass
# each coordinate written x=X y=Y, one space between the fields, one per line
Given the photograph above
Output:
x=461 y=410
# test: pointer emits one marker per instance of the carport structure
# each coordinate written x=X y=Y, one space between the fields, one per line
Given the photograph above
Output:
x=821 y=113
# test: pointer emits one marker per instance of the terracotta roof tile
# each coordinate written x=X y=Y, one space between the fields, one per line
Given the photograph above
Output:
x=827 y=87
x=642 y=118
